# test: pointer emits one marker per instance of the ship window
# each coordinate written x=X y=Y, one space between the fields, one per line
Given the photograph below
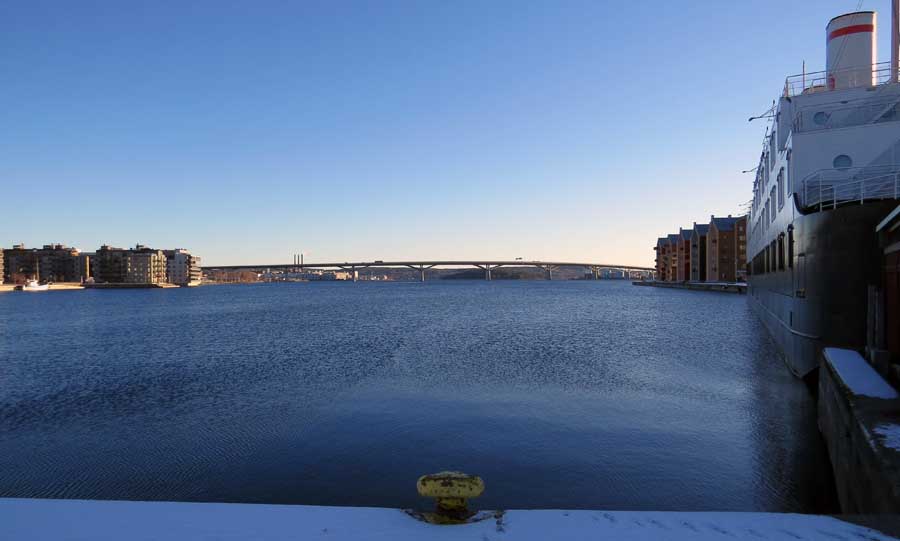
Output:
x=772 y=150
x=781 y=251
x=772 y=199
x=774 y=255
x=820 y=118
x=790 y=246
x=781 y=188
x=842 y=161
x=787 y=174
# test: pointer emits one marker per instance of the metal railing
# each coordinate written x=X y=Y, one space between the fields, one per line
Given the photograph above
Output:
x=843 y=114
x=817 y=81
x=828 y=188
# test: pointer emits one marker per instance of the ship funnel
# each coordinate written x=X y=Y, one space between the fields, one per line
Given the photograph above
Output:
x=850 y=50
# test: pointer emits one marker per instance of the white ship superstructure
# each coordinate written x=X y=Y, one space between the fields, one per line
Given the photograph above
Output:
x=828 y=171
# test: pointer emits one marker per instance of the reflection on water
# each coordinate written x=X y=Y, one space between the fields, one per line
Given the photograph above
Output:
x=559 y=394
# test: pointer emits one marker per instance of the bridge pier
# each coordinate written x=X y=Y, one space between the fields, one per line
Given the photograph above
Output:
x=487 y=267
x=421 y=269
x=595 y=272
x=548 y=269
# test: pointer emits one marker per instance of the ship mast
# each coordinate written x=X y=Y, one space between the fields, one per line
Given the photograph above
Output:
x=895 y=37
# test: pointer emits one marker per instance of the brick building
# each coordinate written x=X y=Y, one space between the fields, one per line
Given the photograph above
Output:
x=662 y=258
x=721 y=250
x=672 y=270
x=683 y=272
x=698 y=252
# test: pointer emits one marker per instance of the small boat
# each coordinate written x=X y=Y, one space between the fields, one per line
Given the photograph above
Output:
x=33 y=285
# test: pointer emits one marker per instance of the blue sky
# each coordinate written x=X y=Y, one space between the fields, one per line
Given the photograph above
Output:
x=248 y=131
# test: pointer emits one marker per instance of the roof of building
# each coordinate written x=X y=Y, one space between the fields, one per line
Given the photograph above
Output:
x=701 y=229
x=686 y=234
x=724 y=224
x=673 y=237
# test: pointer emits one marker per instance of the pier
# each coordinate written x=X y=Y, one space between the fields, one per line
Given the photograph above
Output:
x=486 y=265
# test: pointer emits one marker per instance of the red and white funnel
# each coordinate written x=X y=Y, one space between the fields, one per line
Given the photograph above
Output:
x=851 y=50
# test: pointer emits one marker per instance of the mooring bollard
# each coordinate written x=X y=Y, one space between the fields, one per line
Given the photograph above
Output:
x=450 y=490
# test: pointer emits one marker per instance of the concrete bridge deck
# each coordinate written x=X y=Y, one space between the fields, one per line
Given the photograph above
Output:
x=422 y=266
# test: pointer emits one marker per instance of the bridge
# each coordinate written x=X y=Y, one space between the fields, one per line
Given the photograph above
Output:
x=421 y=266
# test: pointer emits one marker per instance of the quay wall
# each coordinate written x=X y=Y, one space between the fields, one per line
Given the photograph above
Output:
x=724 y=287
x=857 y=415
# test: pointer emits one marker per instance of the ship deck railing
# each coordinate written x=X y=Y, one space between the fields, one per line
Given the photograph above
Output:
x=817 y=81
x=829 y=188
x=846 y=113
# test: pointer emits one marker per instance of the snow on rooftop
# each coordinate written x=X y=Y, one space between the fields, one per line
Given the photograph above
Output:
x=890 y=434
x=24 y=519
x=857 y=374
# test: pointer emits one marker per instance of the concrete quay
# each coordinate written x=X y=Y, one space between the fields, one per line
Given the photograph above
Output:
x=724 y=287
x=162 y=285
x=859 y=420
x=58 y=286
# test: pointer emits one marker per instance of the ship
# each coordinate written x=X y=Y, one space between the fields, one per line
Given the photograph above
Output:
x=34 y=285
x=828 y=174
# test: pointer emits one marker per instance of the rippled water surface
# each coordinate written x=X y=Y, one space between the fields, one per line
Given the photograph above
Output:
x=559 y=394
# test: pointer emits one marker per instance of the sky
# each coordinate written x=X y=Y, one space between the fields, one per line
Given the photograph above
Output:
x=348 y=130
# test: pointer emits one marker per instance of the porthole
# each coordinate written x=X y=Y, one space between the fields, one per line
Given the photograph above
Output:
x=820 y=118
x=842 y=161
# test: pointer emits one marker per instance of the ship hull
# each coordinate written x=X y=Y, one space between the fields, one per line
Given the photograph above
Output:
x=821 y=300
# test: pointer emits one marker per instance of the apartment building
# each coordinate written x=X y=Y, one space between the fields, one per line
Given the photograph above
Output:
x=182 y=268
x=51 y=263
x=662 y=258
x=721 y=250
x=672 y=271
x=683 y=272
x=698 y=252
x=145 y=266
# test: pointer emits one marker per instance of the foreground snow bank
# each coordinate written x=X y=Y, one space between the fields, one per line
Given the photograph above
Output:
x=112 y=520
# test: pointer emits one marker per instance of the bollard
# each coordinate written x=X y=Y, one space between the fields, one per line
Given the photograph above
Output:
x=450 y=491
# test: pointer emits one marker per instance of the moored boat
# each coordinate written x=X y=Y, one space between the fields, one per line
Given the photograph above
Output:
x=33 y=285
x=828 y=173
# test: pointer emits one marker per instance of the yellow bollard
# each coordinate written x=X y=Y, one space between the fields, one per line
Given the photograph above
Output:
x=451 y=491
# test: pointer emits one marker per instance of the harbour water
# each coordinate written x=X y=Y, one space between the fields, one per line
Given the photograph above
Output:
x=580 y=394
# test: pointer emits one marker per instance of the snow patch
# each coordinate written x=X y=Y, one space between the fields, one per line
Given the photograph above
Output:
x=37 y=520
x=857 y=374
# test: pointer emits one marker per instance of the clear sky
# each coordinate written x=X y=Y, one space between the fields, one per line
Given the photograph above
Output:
x=248 y=131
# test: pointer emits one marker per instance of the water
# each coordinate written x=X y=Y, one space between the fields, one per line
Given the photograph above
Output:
x=559 y=394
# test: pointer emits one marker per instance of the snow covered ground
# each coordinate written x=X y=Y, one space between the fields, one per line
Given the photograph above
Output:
x=25 y=519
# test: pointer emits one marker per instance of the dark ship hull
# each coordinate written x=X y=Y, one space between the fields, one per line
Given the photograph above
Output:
x=820 y=299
